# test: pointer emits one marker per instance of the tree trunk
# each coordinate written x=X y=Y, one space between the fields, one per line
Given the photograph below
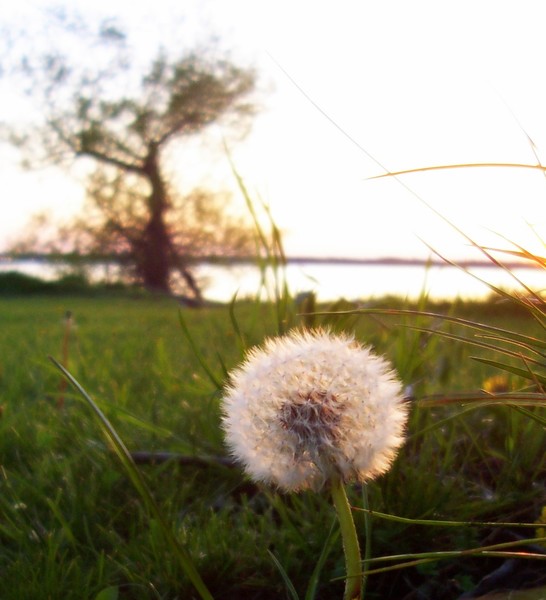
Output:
x=154 y=257
x=154 y=266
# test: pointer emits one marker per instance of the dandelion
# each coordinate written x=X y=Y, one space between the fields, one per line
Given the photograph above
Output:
x=312 y=410
x=312 y=406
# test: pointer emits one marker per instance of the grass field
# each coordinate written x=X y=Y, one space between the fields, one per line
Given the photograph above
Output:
x=72 y=525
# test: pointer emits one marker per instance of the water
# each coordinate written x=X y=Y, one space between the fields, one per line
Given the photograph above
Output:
x=361 y=281
x=333 y=281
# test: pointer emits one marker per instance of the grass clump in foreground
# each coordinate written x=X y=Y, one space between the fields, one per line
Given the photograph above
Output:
x=72 y=526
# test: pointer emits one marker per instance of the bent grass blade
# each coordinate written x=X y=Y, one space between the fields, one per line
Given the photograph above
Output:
x=140 y=485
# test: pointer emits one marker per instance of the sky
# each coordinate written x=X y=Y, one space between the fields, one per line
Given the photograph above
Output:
x=351 y=90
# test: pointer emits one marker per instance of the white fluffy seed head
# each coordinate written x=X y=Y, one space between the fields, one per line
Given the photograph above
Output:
x=310 y=406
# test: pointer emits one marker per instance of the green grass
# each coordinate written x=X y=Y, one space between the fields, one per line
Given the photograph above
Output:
x=73 y=526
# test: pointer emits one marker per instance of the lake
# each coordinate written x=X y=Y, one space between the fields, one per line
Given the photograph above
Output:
x=363 y=281
x=331 y=281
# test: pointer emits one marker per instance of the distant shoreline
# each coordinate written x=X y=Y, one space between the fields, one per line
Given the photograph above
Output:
x=387 y=261
x=410 y=262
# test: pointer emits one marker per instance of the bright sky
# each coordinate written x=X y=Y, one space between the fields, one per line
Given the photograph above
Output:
x=412 y=83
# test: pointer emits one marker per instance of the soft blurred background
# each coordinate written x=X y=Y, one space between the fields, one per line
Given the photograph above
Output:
x=342 y=93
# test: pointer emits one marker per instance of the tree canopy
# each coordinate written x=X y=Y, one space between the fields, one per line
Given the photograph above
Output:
x=124 y=120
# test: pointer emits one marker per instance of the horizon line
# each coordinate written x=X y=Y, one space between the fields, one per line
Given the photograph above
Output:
x=298 y=259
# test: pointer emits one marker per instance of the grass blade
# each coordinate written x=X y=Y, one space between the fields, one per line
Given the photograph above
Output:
x=443 y=523
x=333 y=534
x=512 y=335
x=211 y=375
x=460 y=166
x=289 y=585
x=510 y=369
x=140 y=485
x=528 y=413
x=502 y=550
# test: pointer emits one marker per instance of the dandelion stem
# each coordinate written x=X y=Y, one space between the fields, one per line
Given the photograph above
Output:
x=353 y=581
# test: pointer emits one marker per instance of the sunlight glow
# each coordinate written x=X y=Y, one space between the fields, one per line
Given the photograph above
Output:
x=413 y=84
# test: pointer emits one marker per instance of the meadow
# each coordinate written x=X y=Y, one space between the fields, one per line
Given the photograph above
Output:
x=458 y=507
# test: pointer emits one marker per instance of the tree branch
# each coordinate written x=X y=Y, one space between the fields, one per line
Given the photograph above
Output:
x=112 y=160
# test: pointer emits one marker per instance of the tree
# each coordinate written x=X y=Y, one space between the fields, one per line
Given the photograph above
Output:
x=126 y=136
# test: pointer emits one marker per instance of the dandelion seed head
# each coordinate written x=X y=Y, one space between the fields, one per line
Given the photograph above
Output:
x=311 y=406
